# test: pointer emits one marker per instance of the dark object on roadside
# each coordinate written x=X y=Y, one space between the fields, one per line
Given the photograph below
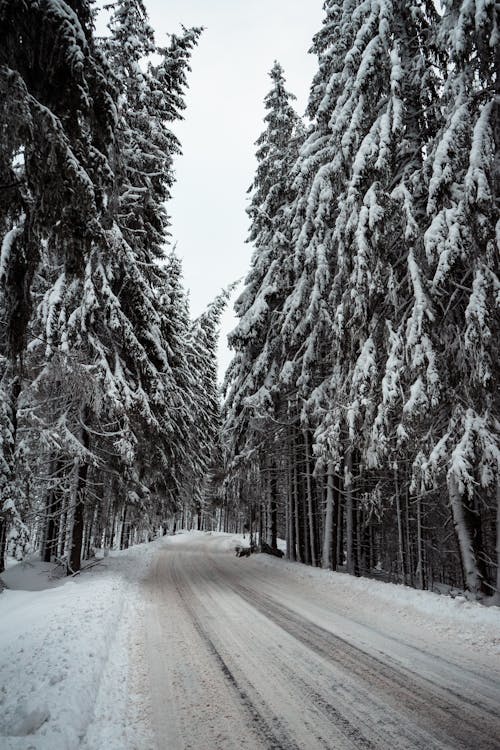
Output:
x=245 y=551
x=271 y=550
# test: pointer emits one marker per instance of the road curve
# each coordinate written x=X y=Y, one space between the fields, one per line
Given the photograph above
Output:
x=239 y=655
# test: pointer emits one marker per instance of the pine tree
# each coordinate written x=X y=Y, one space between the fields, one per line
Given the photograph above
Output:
x=364 y=142
x=463 y=283
x=252 y=382
x=103 y=363
x=205 y=409
x=57 y=118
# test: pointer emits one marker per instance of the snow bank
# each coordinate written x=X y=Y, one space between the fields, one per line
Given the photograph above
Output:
x=62 y=652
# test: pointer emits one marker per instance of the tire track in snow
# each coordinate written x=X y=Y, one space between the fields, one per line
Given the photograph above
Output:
x=259 y=723
x=469 y=725
x=339 y=724
x=360 y=717
x=276 y=680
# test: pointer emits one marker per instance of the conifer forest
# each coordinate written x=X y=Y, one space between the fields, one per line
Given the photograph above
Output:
x=358 y=419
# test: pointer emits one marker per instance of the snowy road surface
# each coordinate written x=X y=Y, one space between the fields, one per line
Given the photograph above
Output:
x=242 y=653
x=179 y=645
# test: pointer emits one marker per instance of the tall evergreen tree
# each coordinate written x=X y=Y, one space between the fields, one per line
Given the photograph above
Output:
x=205 y=404
x=256 y=365
x=252 y=382
x=462 y=280
x=386 y=332
x=56 y=121
x=106 y=368
x=365 y=143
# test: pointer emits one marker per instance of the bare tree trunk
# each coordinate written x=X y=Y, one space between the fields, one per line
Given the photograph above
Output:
x=349 y=512
x=328 y=527
x=3 y=541
x=273 y=506
x=296 y=511
x=251 y=517
x=310 y=508
x=291 y=545
x=8 y=448
x=473 y=580
x=401 y=562
x=123 y=527
x=358 y=556
x=62 y=532
x=340 y=528
x=497 y=594
x=420 y=562
x=409 y=566
x=75 y=552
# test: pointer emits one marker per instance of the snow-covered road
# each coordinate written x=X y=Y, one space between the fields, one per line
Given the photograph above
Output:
x=245 y=653
x=180 y=645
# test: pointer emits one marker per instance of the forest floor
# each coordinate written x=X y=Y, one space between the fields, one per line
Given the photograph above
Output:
x=178 y=645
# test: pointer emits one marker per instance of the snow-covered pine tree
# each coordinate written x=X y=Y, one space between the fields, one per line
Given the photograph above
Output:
x=119 y=314
x=306 y=328
x=463 y=285
x=56 y=120
x=205 y=409
x=174 y=448
x=380 y=124
x=104 y=380
x=150 y=98
x=252 y=376
x=373 y=84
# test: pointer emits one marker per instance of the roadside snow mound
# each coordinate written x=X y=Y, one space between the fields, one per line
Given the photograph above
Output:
x=57 y=639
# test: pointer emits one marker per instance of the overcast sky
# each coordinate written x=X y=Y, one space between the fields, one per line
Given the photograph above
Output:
x=224 y=114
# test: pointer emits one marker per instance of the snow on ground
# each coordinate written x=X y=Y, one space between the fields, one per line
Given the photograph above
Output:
x=63 y=651
x=465 y=621
x=474 y=624
x=65 y=644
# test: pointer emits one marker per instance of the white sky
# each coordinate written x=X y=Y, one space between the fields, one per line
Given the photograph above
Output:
x=224 y=114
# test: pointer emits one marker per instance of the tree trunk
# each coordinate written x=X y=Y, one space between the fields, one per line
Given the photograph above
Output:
x=497 y=594
x=349 y=513
x=123 y=535
x=409 y=553
x=75 y=554
x=420 y=562
x=9 y=457
x=3 y=541
x=328 y=527
x=340 y=527
x=292 y=549
x=401 y=562
x=310 y=504
x=473 y=580
x=52 y=512
x=273 y=507
x=298 y=553
x=49 y=531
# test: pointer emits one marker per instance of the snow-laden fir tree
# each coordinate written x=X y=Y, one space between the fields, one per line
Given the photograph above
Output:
x=205 y=407
x=374 y=80
x=252 y=378
x=108 y=373
x=56 y=121
x=142 y=288
x=462 y=284
x=380 y=122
